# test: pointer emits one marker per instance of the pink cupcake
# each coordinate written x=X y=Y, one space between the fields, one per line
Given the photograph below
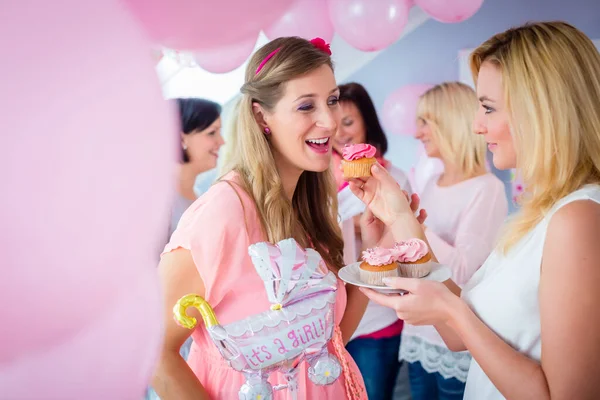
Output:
x=378 y=263
x=357 y=160
x=413 y=258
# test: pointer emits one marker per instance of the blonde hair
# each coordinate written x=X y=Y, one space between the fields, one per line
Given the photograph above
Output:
x=449 y=109
x=311 y=216
x=229 y=131
x=551 y=83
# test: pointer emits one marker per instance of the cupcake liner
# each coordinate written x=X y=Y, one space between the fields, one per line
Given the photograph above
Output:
x=376 y=277
x=357 y=169
x=414 y=270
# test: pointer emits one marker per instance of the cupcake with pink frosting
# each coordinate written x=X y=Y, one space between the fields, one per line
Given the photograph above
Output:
x=357 y=160
x=378 y=263
x=413 y=258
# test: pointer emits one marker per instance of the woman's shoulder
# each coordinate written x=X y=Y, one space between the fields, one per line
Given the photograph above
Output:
x=488 y=184
x=225 y=210
x=489 y=189
x=491 y=183
x=225 y=201
x=580 y=206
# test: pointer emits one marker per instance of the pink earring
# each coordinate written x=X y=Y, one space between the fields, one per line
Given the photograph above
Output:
x=267 y=131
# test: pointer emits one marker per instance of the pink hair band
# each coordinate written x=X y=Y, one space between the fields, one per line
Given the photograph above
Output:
x=267 y=58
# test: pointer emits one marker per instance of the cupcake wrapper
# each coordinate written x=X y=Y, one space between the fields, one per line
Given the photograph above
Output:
x=376 y=277
x=414 y=270
x=356 y=169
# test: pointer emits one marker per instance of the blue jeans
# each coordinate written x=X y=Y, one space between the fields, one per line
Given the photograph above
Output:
x=433 y=386
x=377 y=360
x=185 y=352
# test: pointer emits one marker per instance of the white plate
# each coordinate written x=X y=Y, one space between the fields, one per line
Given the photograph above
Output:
x=351 y=275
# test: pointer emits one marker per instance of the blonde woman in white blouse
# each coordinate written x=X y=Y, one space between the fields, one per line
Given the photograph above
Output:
x=466 y=206
x=529 y=316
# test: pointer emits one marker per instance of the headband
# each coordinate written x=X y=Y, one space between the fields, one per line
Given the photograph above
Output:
x=317 y=42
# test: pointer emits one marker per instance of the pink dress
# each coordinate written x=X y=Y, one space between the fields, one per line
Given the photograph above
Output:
x=217 y=229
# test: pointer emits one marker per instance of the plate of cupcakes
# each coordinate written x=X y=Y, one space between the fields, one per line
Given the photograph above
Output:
x=408 y=259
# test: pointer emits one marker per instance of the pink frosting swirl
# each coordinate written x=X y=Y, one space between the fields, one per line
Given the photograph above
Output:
x=378 y=256
x=356 y=151
x=410 y=250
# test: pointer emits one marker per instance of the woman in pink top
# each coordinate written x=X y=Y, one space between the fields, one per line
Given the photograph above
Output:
x=280 y=186
x=466 y=206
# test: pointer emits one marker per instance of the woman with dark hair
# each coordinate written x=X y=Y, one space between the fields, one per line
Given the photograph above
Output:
x=201 y=140
x=200 y=143
x=374 y=345
x=360 y=124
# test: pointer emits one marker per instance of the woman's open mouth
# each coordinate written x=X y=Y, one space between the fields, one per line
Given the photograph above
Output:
x=320 y=146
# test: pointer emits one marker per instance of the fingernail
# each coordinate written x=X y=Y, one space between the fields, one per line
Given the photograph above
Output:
x=375 y=168
x=386 y=281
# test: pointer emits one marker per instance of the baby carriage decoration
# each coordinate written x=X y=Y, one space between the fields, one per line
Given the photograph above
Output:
x=297 y=327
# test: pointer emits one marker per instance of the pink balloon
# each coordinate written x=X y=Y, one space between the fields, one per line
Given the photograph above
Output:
x=450 y=11
x=88 y=156
x=205 y=24
x=306 y=18
x=400 y=109
x=369 y=25
x=225 y=58
x=110 y=358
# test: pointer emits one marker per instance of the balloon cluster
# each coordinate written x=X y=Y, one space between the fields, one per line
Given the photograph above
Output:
x=297 y=328
x=221 y=40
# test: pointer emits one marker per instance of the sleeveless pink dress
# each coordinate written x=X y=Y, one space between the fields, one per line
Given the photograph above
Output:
x=217 y=229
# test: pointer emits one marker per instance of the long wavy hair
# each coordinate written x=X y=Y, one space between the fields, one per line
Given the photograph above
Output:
x=551 y=83
x=311 y=216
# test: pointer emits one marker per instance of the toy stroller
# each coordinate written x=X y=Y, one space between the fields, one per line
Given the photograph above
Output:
x=296 y=328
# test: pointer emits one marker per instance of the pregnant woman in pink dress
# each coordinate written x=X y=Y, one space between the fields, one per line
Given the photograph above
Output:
x=279 y=186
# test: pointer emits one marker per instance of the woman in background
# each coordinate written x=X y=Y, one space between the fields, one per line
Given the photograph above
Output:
x=360 y=124
x=200 y=143
x=374 y=345
x=466 y=206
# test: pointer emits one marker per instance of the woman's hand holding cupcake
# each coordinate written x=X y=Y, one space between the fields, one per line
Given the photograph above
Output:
x=430 y=302
x=384 y=197
x=382 y=194
x=374 y=232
